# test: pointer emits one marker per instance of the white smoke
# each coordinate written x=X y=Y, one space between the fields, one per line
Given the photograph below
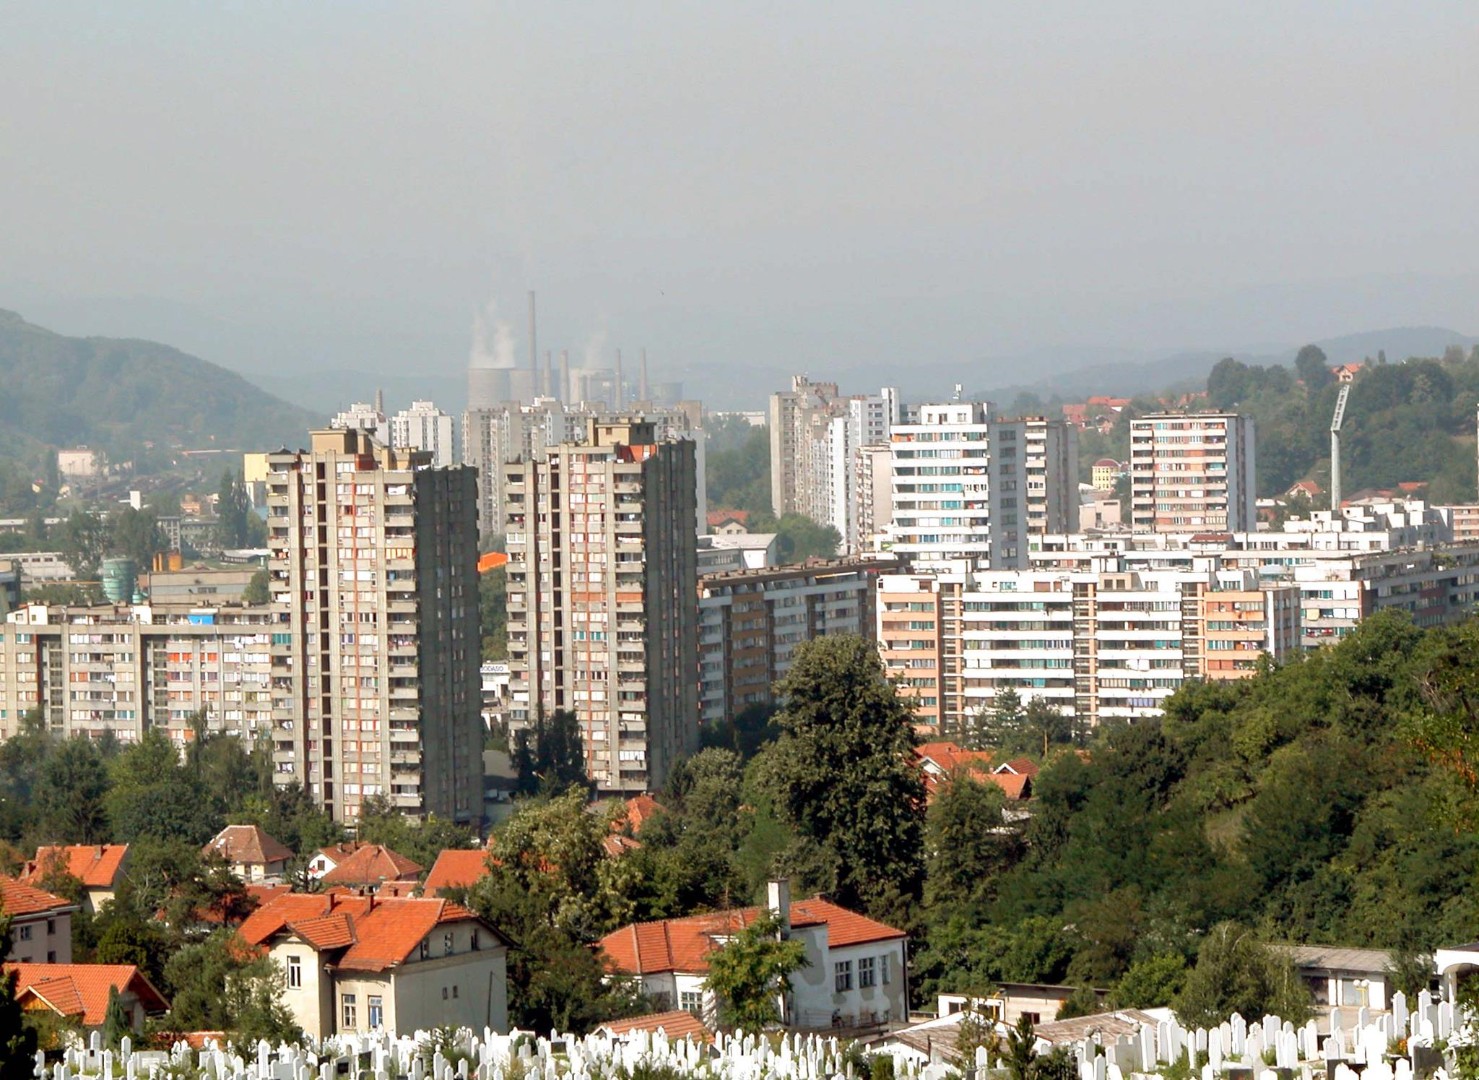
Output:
x=495 y=348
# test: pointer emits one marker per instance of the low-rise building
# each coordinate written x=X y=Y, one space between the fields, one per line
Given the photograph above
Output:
x=372 y=867
x=40 y=923
x=251 y=853
x=854 y=976
x=1342 y=978
x=99 y=868
x=358 y=963
x=79 y=992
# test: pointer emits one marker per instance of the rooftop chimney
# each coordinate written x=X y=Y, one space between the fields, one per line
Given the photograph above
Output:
x=778 y=900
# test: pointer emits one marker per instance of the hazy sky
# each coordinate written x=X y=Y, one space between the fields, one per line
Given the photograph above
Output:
x=793 y=184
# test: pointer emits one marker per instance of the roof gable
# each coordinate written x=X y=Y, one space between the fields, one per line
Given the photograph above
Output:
x=82 y=989
x=456 y=868
x=371 y=865
x=18 y=898
x=248 y=845
x=97 y=866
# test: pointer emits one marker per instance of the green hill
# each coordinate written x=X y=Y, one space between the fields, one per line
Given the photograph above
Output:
x=124 y=395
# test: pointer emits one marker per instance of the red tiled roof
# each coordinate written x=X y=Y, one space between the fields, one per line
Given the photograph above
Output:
x=1013 y=785
x=684 y=944
x=617 y=845
x=371 y=865
x=1021 y=765
x=675 y=1025
x=95 y=865
x=82 y=989
x=18 y=898
x=375 y=934
x=947 y=756
x=456 y=868
x=337 y=853
x=249 y=845
x=719 y=517
x=639 y=810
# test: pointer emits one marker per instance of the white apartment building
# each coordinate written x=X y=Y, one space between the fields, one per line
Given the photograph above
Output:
x=364 y=416
x=425 y=427
x=1192 y=472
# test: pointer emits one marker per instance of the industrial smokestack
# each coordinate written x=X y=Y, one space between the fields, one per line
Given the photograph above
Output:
x=642 y=389
x=533 y=337
x=549 y=373
x=564 y=392
x=619 y=388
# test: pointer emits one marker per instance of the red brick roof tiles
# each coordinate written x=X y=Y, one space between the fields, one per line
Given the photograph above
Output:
x=371 y=865
x=95 y=865
x=18 y=898
x=684 y=944
x=456 y=868
x=248 y=845
x=675 y=1025
x=81 y=990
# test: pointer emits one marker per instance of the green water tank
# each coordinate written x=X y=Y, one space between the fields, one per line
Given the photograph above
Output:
x=119 y=579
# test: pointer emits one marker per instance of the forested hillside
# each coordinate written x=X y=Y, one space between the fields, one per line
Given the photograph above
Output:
x=1408 y=421
x=118 y=395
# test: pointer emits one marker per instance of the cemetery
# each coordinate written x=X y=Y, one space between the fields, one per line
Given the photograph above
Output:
x=1410 y=1042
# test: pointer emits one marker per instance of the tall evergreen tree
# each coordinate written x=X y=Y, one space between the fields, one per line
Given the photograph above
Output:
x=846 y=775
x=17 y=1041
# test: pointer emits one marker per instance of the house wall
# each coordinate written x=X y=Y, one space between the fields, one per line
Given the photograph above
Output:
x=478 y=980
x=42 y=939
x=861 y=1005
x=311 y=1003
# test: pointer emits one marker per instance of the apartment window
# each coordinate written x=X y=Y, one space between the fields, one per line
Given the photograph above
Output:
x=295 y=973
x=883 y=975
x=377 y=1011
x=23 y=932
x=51 y=956
x=865 y=972
x=447 y=944
x=348 y=1013
x=842 y=975
x=426 y=948
x=691 y=1001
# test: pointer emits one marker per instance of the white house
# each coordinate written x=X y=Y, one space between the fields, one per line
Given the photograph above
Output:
x=40 y=924
x=1342 y=978
x=358 y=963
x=854 y=976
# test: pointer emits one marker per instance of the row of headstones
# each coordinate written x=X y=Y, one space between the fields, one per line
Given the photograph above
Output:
x=1235 y=1045
x=473 y=1056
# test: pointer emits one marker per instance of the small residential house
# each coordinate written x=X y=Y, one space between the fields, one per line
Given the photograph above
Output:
x=373 y=867
x=1456 y=964
x=40 y=923
x=854 y=977
x=359 y=963
x=938 y=761
x=728 y=522
x=79 y=992
x=1007 y=1003
x=99 y=867
x=325 y=859
x=1342 y=978
x=935 y=1041
x=252 y=854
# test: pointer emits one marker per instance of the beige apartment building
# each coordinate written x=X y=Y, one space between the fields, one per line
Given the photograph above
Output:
x=1192 y=472
x=375 y=684
x=602 y=576
x=751 y=621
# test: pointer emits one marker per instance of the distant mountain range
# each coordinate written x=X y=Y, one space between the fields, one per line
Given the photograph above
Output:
x=121 y=394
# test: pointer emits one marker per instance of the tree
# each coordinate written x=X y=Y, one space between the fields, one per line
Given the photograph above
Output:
x=751 y=973
x=155 y=795
x=233 y=509
x=999 y=723
x=115 y=1020
x=17 y=1039
x=549 y=757
x=845 y=774
x=967 y=843
x=135 y=534
x=74 y=783
x=83 y=539
x=493 y=612
x=1313 y=368
x=1150 y=983
x=1237 y=973
x=216 y=985
x=258 y=590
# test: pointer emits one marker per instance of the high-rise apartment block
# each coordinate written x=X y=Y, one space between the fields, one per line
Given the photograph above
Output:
x=969 y=490
x=1192 y=472
x=602 y=579
x=816 y=438
x=425 y=427
x=375 y=666
x=751 y=621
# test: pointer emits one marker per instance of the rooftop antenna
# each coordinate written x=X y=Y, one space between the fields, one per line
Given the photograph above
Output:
x=1335 y=422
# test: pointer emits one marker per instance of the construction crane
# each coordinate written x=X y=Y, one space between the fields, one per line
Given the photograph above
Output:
x=1335 y=422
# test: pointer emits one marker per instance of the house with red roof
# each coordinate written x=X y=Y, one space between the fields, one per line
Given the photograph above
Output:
x=939 y=761
x=79 y=992
x=372 y=866
x=675 y=1024
x=728 y=522
x=854 y=977
x=353 y=963
x=99 y=867
x=325 y=859
x=40 y=923
x=250 y=851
